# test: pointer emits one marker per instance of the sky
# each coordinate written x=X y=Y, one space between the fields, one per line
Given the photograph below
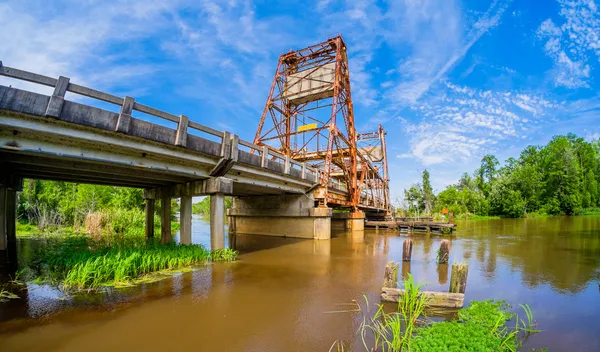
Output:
x=449 y=80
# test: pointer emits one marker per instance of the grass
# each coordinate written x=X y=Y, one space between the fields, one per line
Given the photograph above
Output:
x=483 y=326
x=78 y=262
x=5 y=295
x=393 y=331
x=26 y=230
x=588 y=211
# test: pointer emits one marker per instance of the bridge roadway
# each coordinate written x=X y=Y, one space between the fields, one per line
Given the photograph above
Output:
x=49 y=137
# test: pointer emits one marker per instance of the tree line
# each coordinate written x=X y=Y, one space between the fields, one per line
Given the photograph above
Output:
x=559 y=178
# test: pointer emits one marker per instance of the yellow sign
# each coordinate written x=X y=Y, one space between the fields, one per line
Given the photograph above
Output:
x=310 y=126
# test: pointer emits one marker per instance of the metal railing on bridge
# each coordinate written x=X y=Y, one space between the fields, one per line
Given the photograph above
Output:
x=128 y=105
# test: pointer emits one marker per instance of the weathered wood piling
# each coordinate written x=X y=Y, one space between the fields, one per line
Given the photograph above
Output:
x=405 y=270
x=458 y=278
x=390 y=276
x=453 y=299
x=407 y=250
x=442 y=271
x=444 y=252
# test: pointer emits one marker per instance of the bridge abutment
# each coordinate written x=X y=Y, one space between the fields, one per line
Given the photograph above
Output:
x=280 y=215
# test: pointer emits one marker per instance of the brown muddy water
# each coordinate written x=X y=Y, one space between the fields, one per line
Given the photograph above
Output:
x=297 y=295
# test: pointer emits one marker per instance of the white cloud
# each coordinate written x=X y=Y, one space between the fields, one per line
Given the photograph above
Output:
x=74 y=39
x=434 y=32
x=571 y=45
x=461 y=123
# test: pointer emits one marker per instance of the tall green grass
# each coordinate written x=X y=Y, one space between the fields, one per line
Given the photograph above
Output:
x=393 y=331
x=78 y=262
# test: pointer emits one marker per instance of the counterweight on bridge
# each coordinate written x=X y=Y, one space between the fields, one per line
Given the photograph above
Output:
x=309 y=117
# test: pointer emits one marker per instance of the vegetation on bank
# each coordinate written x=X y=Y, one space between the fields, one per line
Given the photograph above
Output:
x=483 y=326
x=93 y=236
x=81 y=262
x=560 y=178
x=55 y=207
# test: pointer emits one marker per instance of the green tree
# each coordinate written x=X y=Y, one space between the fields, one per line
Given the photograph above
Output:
x=428 y=196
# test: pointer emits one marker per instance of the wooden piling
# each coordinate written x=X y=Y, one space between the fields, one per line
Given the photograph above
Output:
x=390 y=276
x=458 y=278
x=442 y=271
x=407 y=250
x=444 y=252
x=405 y=270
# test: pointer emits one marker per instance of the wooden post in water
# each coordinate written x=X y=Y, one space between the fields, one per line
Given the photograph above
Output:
x=390 y=276
x=444 y=253
x=442 y=271
x=458 y=278
x=405 y=270
x=407 y=250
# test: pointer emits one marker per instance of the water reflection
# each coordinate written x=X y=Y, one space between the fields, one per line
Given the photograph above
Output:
x=275 y=296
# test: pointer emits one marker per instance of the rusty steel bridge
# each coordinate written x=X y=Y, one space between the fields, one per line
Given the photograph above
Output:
x=306 y=157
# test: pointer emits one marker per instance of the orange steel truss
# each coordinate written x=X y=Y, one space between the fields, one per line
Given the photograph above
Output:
x=309 y=117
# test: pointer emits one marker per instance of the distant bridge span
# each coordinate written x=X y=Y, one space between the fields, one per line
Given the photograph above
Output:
x=49 y=137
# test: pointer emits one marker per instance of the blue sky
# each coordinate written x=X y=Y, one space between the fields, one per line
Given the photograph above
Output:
x=449 y=80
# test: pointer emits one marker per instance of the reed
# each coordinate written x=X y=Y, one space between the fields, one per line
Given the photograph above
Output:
x=393 y=331
x=78 y=262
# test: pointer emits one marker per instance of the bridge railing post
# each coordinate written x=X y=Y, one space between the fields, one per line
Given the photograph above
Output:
x=182 y=131
x=234 y=142
x=125 y=116
x=226 y=145
x=264 y=156
x=287 y=165
x=304 y=171
x=58 y=97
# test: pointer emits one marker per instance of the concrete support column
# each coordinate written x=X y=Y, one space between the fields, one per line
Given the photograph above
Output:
x=356 y=221
x=217 y=221
x=322 y=223
x=11 y=217
x=149 y=218
x=350 y=221
x=185 y=220
x=3 y=241
x=165 y=220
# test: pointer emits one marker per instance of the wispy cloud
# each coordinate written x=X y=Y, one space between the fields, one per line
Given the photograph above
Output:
x=78 y=39
x=462 y=123
x=434 y=31
x=571 y=44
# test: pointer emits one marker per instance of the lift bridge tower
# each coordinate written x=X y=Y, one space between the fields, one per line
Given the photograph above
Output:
x=309 y=117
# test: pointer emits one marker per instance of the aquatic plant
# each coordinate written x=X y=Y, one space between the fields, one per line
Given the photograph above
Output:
x=78 y=262
x=392 y=331
x=5 y=295
x=480 y=327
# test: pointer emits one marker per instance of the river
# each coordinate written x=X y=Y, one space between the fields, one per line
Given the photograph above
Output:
x=297 y=295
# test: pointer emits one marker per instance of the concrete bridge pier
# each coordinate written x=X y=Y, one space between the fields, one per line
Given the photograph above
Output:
x=349 y=221
x=185 y=220
x=215 y=187
x=293 y=215
x=9 y=186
